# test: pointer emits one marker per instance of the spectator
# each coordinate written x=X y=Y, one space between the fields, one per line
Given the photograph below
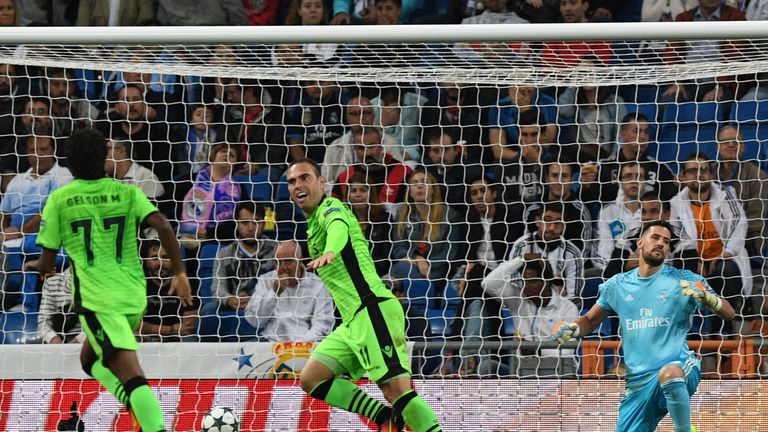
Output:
x=26 y=195
x=493 y=227
x=571 y=53
x=547 y=240
x=363 y=199
x=757 y=10
x=9 y=108
x=445 y=163
x=161 y=92
x=634 y=136
x=388 y=12
x=426 y=236
x=522 y=175
x=165 y=319
x=252 y=118
x=496 y=12
x=68 y=109
x=558 y=187
x=458 y=105
x=533 y=299
x=504 y=118
x=398 y=113
x=289 y=304
x=623 y=214
x=309 y=12
x=208 y=208
x=594 y=113
x=56 y=322
x=380 y=168
x=665 y=10
x=262 y=12
x=698 y=51
x=713 y=219
x=201 y=13
x=538 y=11
x=748 y=181
x=8 y=15
x=340 y=155
x=625 y=256
x=128 y=120
x=317 y=121
x=239 y=264
x=120 y=165
x=367 y=11
x=193 y=143
x=108 y=13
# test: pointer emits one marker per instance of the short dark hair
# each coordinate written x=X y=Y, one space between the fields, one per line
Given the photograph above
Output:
x=654 y=196
x=256 y=208
x=309 y=161
x=531 y=117
x=555 y=206
x=125 y=144
x=648 y=225
x=697 y=156
x=86 y=153
x=633 y=117
x=540 y=266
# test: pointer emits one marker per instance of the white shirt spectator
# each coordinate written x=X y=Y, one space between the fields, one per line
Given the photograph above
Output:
x=26 y=193
x=532 y=322
x=300 y=314
x=489 y=17
x=757 y=10
x=340 y=155
x=55 y=310
x=615 y=219
x=145 y=180
x=565 y=259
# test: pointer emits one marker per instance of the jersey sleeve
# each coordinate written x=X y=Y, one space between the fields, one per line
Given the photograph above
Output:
x=143 y=207
x=336 y=223
x=49 y=236
x=606 y=297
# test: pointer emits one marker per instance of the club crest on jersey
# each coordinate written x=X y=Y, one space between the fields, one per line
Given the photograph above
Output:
x=331 y=210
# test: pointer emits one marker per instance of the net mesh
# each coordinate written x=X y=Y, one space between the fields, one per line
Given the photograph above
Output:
x=518 y=150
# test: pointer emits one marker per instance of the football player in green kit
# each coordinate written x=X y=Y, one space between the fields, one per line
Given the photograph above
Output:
x=371 y=338
x=96 y=219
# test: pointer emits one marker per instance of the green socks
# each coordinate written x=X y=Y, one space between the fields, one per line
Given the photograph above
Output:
x=416 y=413
x=348 y=396
x=109 y=381
x=144 y=405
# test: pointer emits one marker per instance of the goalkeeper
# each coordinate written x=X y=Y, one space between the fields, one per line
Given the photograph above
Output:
x=96 y=219
x=654 y=303
x=371 y=338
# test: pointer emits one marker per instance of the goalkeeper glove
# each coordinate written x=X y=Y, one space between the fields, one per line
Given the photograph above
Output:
x=565 y=331
x=700 y=293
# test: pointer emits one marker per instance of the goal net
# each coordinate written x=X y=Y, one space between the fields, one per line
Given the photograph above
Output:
x=498 y=183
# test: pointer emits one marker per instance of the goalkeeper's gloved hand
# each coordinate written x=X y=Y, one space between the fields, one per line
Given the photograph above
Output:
x=699 y=292
x=565 y=331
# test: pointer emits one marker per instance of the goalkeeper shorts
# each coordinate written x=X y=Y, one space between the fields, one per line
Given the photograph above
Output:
x=643 y=408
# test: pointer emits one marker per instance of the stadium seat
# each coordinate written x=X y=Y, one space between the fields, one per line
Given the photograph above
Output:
x=686 y=128
x=752 y=119
x=641 y=93
x=206 y=258
x=257 y=187
x=224 y=325
x=507 y=322
x=17 y=327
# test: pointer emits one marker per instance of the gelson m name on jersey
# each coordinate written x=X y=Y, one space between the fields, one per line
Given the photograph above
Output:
x=78 y=200
x=645 y=323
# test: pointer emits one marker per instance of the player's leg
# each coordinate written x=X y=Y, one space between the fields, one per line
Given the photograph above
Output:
x=89 y=360
x=674 y=386
x=333 y=357
x=388 y=365
x=640 y=409
x=112 y=339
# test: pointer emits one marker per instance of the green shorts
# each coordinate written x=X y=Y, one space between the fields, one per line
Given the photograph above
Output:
x=108 y=332
x=373 y=342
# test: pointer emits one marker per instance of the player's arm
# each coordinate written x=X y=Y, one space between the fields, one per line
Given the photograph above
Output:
x=336 y=238
x=32 y=225
x=704 y=296
x=180 y=284
x=582 y=326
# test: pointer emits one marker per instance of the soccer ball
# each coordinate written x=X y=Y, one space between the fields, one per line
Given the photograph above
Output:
x=220 y=419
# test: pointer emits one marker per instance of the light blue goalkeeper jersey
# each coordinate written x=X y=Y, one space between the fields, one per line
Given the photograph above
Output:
x=654 y=317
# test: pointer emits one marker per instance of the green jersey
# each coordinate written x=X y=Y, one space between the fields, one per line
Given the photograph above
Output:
x=351 y=278
x=97 y=222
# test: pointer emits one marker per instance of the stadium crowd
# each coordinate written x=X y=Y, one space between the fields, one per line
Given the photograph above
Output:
x=492 y=211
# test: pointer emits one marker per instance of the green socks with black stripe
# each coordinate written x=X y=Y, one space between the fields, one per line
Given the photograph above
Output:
x=416 y=413
x=109 y=381
x=348 y=396
x=135 y=394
